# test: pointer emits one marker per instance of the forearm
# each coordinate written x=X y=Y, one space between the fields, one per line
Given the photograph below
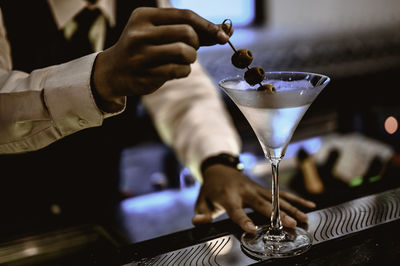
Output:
x=46 y=105
x=191 y=117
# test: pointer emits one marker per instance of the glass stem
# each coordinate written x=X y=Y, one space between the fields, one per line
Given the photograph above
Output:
x=276 y=224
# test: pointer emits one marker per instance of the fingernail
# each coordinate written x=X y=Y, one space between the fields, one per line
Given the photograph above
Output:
x=199 y=218
x=290 y=221
x=311 y=204
x=250 y=227
x=302 y=216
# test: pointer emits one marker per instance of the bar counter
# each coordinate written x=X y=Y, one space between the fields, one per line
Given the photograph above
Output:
x=361 y=227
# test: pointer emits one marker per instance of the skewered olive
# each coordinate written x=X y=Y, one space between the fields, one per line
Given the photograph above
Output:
x=254 y=75
x=242 y=58
x=266 y=87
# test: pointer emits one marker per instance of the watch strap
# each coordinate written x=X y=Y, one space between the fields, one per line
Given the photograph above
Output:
x=222 y=158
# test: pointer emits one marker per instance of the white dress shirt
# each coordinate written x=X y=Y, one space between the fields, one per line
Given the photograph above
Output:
x=43 y=106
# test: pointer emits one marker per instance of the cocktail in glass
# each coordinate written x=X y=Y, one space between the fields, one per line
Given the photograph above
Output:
x=274 y=116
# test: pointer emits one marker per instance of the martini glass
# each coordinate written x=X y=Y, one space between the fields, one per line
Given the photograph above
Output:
x=274 y=117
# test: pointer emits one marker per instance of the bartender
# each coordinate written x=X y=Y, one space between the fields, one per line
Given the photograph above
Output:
x=71 y=75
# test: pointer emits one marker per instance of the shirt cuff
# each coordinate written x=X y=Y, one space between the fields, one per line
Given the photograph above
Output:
x=68 y=96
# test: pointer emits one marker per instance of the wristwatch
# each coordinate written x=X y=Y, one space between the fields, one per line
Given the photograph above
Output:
x=222 y=158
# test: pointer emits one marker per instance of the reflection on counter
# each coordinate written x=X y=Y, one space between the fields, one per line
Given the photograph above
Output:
x=76 y=245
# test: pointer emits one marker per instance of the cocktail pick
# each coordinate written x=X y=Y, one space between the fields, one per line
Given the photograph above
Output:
x=242 y=59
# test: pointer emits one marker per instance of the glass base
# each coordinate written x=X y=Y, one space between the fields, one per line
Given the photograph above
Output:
x=266 y=245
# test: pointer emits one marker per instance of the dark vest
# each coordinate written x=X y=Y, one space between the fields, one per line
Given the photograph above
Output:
x=80 y=172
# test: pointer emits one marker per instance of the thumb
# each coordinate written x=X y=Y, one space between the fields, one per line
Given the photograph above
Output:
x=203 y=214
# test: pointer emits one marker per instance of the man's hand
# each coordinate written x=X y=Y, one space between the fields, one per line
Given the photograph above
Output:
x=226 y=189
x=156 y=45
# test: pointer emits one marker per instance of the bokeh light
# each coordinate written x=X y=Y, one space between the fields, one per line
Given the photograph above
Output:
x=391 y=125
x=242 y=12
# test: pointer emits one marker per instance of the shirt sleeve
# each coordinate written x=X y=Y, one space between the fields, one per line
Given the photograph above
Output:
x=45 y=105
x=191 y=117
x=164 y=3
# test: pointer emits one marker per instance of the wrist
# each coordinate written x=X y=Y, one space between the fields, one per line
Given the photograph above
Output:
x=101 y=90
x=222 y=159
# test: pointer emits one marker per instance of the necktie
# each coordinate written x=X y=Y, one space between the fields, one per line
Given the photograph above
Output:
x=80 y=39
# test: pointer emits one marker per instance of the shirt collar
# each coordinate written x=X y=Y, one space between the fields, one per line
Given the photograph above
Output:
x=63 y=11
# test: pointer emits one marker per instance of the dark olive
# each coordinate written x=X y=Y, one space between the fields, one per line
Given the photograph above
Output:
x=266 y=87
x=254 y=75
x=242 y=58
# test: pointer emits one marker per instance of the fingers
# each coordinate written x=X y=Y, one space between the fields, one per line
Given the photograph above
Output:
x=232 y=191
x=155 y=46
x=238 y=216
x=208 y=32
x=203 y=214
x=174 y=33
x=293 y=211
x=155 y=55
x=287 y=220
x=169 y=71
x=293 y=198
x=260 y=204
x=288 y=210
x=227 y=27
